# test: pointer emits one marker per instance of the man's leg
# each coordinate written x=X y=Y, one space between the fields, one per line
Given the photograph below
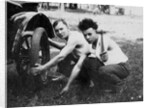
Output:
x=100 y=74
x=64 y=68
x=113 y=74
x=90 y=68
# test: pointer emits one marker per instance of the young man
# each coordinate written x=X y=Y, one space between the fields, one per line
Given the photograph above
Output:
x=76 y=45
x=106 y=62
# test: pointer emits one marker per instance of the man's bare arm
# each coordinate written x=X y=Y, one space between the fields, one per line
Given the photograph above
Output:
x=56 y=44
x=74 y=73
x=64 y=52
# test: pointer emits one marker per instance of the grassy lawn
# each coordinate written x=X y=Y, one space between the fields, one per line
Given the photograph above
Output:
x=18 y=96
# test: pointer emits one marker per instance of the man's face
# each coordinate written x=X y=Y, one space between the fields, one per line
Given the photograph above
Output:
x=61 y=30
x=90 y=35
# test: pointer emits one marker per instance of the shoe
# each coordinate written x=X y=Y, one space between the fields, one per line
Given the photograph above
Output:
x=115 y=89
x=120 y=89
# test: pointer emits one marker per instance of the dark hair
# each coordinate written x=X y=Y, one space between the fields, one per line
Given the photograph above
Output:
x=87 y=23
x=59 y=20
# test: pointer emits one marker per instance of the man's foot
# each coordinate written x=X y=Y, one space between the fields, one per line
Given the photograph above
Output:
x=58 y=78
x=116 y=89
x=121 y=88
x=72 y=62
x=91 y=84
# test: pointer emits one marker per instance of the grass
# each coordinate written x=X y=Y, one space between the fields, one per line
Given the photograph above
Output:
x=19 y=96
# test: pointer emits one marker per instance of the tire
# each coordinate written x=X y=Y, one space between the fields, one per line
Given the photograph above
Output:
x=39 y=54
x=39 y=43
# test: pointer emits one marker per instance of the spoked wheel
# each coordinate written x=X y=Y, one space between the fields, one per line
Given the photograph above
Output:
x=21 y=50
x=31 y=50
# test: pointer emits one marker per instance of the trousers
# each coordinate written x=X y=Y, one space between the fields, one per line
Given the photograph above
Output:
x=99 y=72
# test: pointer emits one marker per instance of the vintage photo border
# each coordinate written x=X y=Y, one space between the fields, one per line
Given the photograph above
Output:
x=146 y=54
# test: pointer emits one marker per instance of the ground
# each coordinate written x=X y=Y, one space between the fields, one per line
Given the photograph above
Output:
x=126 y=31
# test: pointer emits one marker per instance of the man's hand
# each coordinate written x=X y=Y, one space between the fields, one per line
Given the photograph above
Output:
x=104 y=56
x=62 y=93
x=64 y=90
x=37 y=70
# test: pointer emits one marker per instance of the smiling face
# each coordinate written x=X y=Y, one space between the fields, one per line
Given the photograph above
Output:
x=61 y=30
x=90 y=35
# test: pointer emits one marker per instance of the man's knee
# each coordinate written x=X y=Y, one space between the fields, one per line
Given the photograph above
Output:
x=90 y=61
x=86 y=62
x=87 y=59
x=102 y=70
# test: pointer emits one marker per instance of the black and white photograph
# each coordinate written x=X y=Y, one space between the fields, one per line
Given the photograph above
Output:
x=61 y=53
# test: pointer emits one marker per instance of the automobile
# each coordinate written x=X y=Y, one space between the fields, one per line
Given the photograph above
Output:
x=28 y=45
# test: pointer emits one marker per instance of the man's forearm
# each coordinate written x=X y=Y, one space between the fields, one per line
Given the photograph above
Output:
x=53 y=62
x=76 y=70
x=74 y=74
x=56 y=44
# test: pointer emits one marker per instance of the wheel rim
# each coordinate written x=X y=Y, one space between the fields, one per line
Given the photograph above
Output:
x=23 y=60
